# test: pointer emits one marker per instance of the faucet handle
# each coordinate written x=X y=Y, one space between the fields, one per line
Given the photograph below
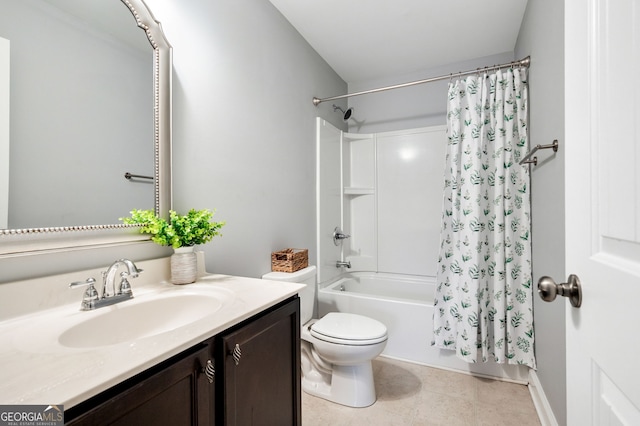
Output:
x=125 y=287
x=338 y=236
x=90 y=282
x=90 y=295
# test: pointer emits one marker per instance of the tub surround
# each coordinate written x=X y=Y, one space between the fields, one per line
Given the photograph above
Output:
x=384 y=190
x=35 y=371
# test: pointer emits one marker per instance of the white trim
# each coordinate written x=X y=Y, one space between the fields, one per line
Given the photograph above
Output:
x=516 y=378
x=540 y=401
x=4 y=131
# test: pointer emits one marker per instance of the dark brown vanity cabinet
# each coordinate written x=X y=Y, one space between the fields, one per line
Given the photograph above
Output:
x=256 y=380
x=176 y=392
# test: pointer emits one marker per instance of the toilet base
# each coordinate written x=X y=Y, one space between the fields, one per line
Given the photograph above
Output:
x=350 y=385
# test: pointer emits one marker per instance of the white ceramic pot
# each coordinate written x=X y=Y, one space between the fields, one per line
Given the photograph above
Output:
x=184 y=266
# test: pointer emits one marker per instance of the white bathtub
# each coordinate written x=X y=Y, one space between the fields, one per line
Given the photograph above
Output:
x=404 y=303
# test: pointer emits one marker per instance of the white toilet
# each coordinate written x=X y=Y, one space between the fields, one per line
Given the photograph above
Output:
x=337 y=349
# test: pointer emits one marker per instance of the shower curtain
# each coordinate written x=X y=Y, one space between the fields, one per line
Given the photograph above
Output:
x=484 y=306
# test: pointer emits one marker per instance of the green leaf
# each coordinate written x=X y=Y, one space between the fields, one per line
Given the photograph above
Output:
x=454 y=313
x=476 y=226
x=473 y=320
x=455 y=268
x=476 y=131
x=475 y=178
x=523 y=344
x=474 y=272
x=193 y=228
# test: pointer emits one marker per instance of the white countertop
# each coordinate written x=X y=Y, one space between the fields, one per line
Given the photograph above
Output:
x=35 y=369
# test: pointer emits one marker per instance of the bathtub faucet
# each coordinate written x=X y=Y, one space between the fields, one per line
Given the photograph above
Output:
x=340 y=264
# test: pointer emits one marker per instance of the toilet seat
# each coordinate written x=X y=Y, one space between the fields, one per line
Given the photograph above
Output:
x=349 y=329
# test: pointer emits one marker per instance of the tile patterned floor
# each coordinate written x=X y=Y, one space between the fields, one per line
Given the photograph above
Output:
x=415 y=395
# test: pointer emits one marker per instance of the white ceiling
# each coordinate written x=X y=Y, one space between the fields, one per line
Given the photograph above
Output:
x=368 y=39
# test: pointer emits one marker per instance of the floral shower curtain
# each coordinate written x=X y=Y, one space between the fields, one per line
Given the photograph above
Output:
x=483 y=306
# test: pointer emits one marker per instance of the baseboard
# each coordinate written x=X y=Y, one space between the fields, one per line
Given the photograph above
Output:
x=540 y=401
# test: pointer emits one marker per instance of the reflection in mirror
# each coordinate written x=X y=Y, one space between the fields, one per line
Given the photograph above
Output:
x=81 y=112
x=90 y=100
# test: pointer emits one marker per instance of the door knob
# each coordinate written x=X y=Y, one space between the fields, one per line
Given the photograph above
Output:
x=548 y=290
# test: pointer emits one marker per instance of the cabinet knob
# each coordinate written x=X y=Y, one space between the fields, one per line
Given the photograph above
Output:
x=236 y=353
x=209 y=371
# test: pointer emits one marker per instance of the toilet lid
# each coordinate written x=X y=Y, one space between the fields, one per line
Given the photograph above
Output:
x=349 y=329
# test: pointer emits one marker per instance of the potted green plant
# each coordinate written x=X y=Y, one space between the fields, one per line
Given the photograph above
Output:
x=182 y=232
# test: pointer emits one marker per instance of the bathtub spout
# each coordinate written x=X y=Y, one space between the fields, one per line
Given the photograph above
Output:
x=340 y=264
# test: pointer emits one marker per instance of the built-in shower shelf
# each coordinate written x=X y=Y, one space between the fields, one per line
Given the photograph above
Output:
x=349 y=190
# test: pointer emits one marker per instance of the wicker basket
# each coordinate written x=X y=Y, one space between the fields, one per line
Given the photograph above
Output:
x=289 y=260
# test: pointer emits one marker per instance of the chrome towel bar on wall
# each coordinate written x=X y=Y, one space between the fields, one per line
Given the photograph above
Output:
x=130 y=176
x=534 y=160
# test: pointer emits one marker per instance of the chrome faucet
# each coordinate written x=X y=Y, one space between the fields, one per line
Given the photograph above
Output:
x=109 y=277
x=91 y=300
x=340 y=264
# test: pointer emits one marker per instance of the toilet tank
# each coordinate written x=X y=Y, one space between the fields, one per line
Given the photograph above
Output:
x=307 y=295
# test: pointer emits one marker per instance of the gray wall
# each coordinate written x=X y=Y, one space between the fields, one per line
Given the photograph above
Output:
x=244 y=126
x=542 y=37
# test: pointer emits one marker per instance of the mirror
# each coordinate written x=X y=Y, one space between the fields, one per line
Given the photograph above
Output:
x=90 y=85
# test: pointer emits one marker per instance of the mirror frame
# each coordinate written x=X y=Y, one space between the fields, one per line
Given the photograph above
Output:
x=26 y=240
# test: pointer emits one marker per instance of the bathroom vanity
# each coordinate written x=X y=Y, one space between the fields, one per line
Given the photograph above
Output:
x=249 y=374
x=224 y=350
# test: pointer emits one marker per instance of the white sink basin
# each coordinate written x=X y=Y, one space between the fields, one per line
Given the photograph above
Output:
x=173 y=309
x=131 y=321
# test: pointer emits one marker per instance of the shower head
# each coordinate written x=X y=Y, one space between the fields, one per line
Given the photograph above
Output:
x=345 y=114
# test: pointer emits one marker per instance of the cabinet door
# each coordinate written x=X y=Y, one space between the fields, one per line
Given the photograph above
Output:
x=176 y=393
x=261 y=372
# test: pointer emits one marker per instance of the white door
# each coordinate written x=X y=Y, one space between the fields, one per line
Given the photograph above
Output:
x=602 y=178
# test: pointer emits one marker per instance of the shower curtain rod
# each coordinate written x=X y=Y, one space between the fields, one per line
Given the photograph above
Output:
x=521 y=63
